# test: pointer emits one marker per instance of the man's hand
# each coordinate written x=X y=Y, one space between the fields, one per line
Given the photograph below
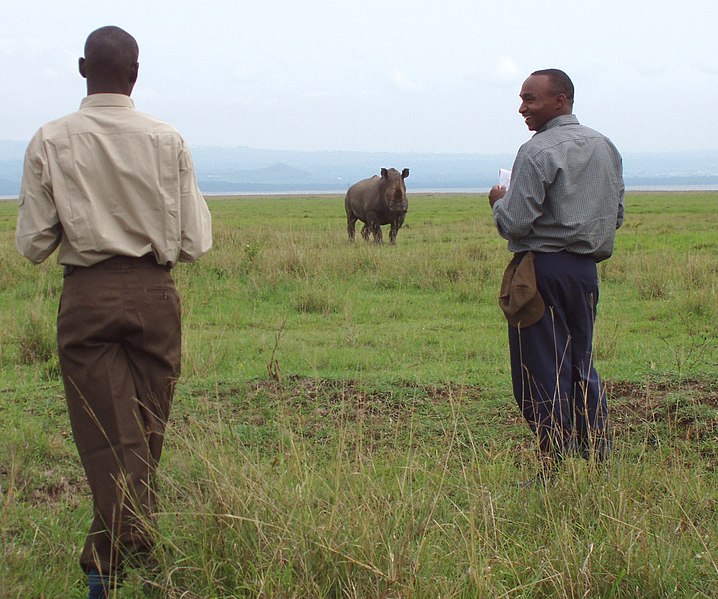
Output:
x=497 y=192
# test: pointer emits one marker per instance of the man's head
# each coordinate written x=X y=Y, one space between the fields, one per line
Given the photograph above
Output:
x=545 y=95
x=110 y=62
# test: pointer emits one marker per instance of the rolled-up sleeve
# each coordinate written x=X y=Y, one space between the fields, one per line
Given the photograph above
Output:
x=196 y=220
x=38 y=231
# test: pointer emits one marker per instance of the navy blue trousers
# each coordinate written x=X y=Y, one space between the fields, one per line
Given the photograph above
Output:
x=555 y=383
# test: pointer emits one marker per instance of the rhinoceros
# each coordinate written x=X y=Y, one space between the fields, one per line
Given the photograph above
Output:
x=378 y=201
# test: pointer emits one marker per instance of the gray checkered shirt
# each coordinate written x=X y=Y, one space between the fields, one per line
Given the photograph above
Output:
x=566 y=192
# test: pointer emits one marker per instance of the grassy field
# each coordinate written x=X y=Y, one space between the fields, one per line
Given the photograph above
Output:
x=344 y=426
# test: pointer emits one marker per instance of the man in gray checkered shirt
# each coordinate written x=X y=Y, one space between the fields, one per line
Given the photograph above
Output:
x=564 y=203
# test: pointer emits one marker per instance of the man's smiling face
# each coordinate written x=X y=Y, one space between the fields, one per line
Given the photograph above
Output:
x=539 y=102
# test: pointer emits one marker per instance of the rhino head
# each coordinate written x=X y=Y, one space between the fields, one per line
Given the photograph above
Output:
x=394 y=189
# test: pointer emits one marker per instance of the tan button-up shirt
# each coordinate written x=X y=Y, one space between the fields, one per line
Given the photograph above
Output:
x=108 y=180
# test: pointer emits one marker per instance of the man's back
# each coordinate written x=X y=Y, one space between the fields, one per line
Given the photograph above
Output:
x=116 y=178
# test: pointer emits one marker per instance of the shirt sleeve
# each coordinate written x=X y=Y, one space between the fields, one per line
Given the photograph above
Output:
x=194 y=213
x=517 y=211
x=38 y=231
x=621 y=193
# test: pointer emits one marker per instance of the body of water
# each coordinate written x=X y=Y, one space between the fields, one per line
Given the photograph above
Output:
x=477 y=191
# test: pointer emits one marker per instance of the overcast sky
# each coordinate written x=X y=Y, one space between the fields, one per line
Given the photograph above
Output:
x=377 y=75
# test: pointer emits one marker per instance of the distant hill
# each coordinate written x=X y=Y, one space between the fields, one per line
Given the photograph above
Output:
x=246 y=170
x=336 y=171
x=11 y=150
x=279 y=175
x=10 y=177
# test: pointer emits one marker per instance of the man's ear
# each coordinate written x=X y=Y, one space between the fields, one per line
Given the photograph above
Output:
x=82 y=68
x=561 y=102
x=134 y=72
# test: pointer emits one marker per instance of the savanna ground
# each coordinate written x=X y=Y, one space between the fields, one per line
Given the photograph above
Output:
x=344 y=426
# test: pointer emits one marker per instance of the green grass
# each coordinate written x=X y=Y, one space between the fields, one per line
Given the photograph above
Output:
x=344 y=426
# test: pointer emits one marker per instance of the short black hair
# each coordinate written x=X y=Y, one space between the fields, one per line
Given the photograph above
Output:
x=560 y=82
x=111 y=48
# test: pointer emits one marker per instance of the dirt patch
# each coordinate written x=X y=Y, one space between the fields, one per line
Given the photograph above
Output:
x=629 y=403
x=680 y=404
x=50 y=486
x=393 y=414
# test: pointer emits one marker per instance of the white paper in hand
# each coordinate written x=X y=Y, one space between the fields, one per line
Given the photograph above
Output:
x=504 y=177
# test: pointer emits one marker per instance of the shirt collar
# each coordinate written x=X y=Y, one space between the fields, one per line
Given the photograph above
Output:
x=111 y=100
x=564 y=119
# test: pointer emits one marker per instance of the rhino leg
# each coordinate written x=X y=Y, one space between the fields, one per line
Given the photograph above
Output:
x=394 y=231
x=365 y=232
x=351 y=223
x=376 y=230
x=372 y=226
x=392 y=234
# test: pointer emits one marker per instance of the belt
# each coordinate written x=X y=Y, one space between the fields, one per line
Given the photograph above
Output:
x=68 y=269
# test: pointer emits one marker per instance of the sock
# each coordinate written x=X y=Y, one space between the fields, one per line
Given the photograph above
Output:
x=99 y=585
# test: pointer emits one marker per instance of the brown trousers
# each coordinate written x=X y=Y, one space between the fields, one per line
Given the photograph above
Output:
x=118 y=332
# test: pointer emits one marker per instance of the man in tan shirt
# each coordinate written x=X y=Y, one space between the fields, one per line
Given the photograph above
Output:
x=115 y=189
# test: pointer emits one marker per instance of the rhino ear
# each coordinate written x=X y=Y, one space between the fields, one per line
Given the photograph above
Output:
x=383 y=173
x=405 y=173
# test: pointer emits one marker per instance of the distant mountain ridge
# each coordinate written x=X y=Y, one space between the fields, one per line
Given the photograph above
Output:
x=246 y=170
